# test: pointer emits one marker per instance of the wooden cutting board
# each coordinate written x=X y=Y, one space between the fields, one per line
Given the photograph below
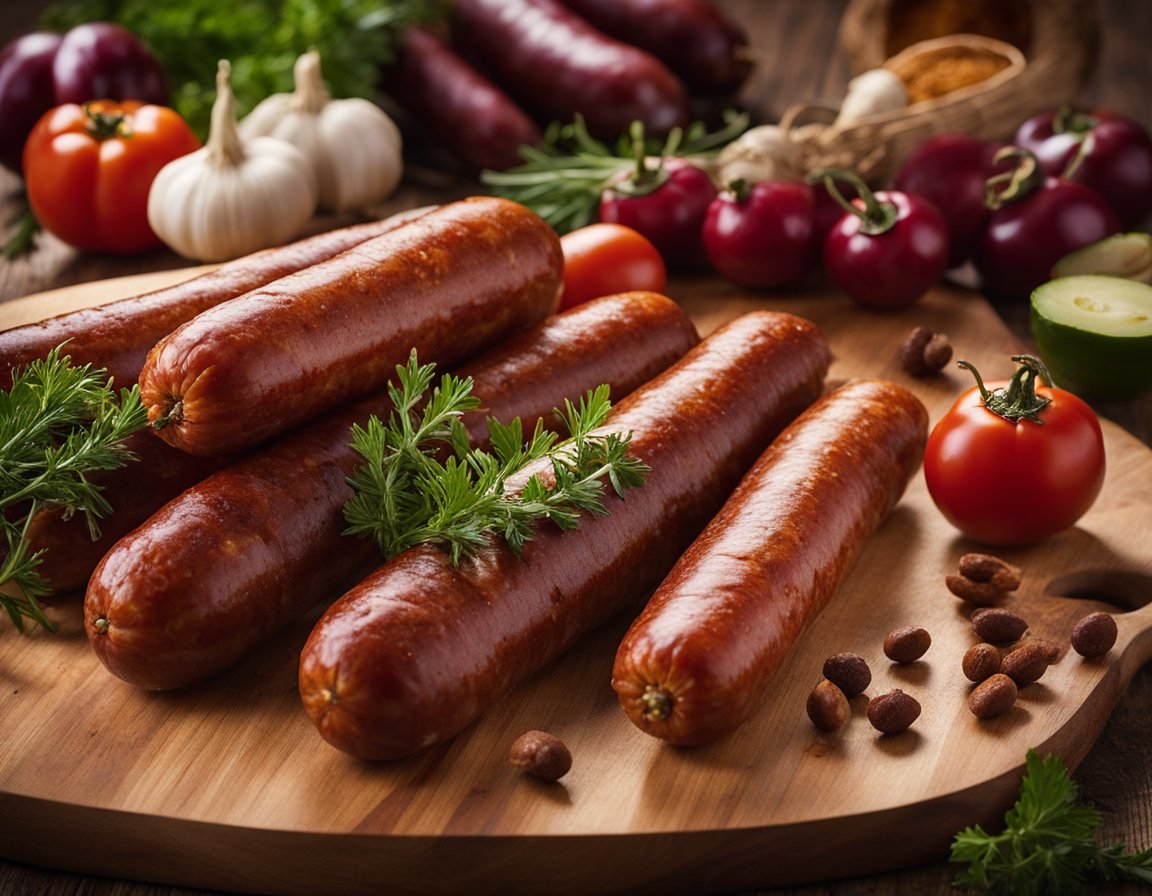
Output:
x=228 y=786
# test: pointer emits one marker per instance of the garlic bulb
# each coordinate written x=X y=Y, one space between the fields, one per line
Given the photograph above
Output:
x=872 y=93
x=354 y=147
x=231 y=197
x=763 y=153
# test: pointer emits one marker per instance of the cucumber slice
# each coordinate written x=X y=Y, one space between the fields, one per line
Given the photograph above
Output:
x=1120 y=255
x=1094 y=333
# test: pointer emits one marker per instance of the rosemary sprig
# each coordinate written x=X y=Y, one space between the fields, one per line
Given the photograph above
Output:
x=406 y=494
x=1047 y=847
x=562 y=181
x=58 y=423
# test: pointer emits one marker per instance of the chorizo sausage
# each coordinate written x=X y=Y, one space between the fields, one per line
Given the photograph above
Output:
x=420 y=648
x=705 y=48
x=251 y=548
x=448 y=284
x=695 y=663
x=457 y=105
x=116 y=336
x=558 y=65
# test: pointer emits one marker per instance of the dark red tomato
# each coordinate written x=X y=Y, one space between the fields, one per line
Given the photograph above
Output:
x=1107 y=152
x=829 y=211
x=764 y=235
x=605 y=259
x=950 y=171
x=1013 y=464
x=888 y=249
x=665 y=202
x=1035 y=221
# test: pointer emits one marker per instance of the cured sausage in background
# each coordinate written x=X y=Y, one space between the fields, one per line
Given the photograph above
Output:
x=117 y=336
x=696 y=662
x=706 y=49
x=249 y=550
x=420 y=648
x=558 y=65
x=458 y=106
x=448 y=284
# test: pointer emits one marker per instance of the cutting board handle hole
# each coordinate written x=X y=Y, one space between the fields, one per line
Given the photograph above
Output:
x=1126 y=590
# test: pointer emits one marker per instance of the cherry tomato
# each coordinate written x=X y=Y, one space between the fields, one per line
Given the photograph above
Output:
x=88 y=170
x=1015 y=463
x=666 y=203
x=1035 y=221
x=1106 y=152
x=950 y=171
x=888 y=249
x=762 y=235
x=605 y=259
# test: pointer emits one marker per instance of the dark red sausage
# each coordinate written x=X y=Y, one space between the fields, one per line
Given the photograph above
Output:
x=696 y=662
x=558 y=65
x=135 y=492
x=118 y=335
x=696 y=40
x=448 y=284
x=459 y=107
x=420 y=648
x=250 y=549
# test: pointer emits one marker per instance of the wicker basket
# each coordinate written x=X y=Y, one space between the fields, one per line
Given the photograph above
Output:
x=1060 y=40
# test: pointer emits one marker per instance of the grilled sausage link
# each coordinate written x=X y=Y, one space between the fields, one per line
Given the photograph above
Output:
x=250 y=549
x=118 y=335
x=421 y=648
x=448 y=284
x=696 y=662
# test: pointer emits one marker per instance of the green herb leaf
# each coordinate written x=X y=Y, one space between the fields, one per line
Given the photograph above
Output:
x=261 y=39
x=58 y=423
x=563 y=180
x=406 y=494
x=1047 y=847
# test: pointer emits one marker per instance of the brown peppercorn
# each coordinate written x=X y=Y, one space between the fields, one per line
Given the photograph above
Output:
x=893 y=712
x=907 y=644
x=987 y=568
x=541 y=755
x=1027 y=663
x=980 y=662
x=827 y=706
x=997 y=625
x=849 y=672
x=978 y=594
x=1094 y=635
x=924 y=352
x=993 y=697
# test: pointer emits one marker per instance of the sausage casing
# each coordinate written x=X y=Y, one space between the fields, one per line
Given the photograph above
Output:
x=250 y=549
x=117 y=336
x=695 y=663
x=421 y=648
x=448 y=284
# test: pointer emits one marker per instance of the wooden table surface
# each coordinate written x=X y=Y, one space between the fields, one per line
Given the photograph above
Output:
x=798 y=60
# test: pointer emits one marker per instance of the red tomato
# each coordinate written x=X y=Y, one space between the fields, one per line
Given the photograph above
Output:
x=88 y=170
x=605 y=259
x=1004 y=479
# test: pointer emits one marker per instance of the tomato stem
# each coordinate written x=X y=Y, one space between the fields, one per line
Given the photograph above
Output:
x=1018 y=183
x=107 y=125
x=875 y=218
x=1018 y=400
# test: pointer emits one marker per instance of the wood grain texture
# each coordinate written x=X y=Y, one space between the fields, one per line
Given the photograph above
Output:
x=227 y=785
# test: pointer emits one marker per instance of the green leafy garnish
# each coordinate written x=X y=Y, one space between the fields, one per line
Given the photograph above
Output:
x=1047 y=847
x=58 y=423
x=261 y=39
x=408 y=493
x=562 y=181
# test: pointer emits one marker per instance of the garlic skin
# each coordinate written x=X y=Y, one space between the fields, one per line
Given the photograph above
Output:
x=354 y=147
x=762 y=153
x=232 y=196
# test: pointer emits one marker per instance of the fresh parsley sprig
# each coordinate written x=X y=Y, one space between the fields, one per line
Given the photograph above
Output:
x=1048 y=846
x=407 y=492
x=562 y=180
x=58 y=423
